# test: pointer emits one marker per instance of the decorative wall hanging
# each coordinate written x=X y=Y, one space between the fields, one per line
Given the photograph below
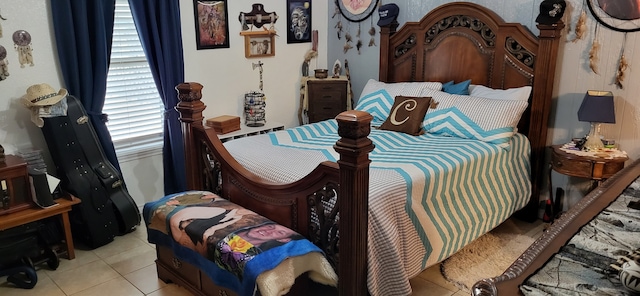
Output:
x=22 y=43
x=4 y=19
x=257 y=17
x=259 y=43
x=594 y=51
x=354 y=11
x=4 y=64
x=298 y=21
x=620 y=16
x=212 y=28
x=617 y=15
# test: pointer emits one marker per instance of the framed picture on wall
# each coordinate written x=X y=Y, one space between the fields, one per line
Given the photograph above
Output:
x=212 y=27
x=298 y=21
x=258 y=44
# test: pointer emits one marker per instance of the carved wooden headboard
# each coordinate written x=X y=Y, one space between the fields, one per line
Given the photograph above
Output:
x=460 y=41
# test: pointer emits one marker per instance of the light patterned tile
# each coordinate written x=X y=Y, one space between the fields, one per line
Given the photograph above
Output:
x=120 y=244
x=82 y=257
x=118 y=286
x=433 y=274
x=44 y=287
x=421 y=287
x=171 y=290
x=145 y=279
x=84 y=277
x=132 y=260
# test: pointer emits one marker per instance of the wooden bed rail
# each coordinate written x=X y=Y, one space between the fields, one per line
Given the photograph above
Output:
x=311 y=205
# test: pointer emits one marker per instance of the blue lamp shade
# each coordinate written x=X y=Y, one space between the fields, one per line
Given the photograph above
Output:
x=597 y=106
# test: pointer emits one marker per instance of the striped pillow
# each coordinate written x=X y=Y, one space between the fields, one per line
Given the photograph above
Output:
x=377 y=97
x=489 y=120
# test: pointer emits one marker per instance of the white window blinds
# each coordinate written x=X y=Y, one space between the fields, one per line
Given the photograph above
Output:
x=132 y=103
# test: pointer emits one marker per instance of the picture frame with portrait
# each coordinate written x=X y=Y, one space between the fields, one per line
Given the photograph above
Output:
x=298 y=21
x=211 y=24
x=259 y=44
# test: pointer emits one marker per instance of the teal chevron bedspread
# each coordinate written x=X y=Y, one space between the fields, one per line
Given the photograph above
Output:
x=429 y=195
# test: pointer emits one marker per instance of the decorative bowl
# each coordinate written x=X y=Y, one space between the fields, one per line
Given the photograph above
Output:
x=321 y=73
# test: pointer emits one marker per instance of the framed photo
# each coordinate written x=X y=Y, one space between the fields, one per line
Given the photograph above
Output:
x=259 y=44
x=298 y=21
x=212 y=27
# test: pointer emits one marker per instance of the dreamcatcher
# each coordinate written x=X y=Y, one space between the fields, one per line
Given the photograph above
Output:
x=4 y=64
x=621 y=16
x=354 y=11
x=22 y=43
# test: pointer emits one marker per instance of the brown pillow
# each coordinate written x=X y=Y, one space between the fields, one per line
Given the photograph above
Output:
x=407 y=114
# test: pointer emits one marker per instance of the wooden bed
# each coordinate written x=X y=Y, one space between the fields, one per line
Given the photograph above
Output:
x=456 y=41
x=556 y=236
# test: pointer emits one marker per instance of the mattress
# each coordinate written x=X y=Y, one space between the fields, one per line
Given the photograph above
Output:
x=429 y=195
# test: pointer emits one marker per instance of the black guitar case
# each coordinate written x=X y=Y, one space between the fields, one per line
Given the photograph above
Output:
x=106 y=209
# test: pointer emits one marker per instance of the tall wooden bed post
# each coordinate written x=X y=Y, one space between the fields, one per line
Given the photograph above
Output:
x=298 y=199
x=509 y=55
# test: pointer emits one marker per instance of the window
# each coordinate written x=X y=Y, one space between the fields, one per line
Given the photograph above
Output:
x=132 y=101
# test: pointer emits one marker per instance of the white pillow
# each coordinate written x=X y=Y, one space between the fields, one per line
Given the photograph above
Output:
x=489 y=120
x=378 y=97
x=518 y=93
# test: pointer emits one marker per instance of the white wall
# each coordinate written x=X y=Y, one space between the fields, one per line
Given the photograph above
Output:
x=225 y=73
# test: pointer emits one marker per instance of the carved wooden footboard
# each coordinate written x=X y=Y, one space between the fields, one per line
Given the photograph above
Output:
x=302 y=205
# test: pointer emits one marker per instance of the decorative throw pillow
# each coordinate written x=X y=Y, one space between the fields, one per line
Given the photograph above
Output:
x=377 y=97
x=461 y=88
x=517 y=93
x=488 y=120
x=407 y=115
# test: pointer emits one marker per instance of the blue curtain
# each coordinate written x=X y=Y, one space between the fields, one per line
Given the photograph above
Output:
x=83 y=32
x=158 y=25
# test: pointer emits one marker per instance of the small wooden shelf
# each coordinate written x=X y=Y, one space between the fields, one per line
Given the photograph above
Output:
x=259 y=43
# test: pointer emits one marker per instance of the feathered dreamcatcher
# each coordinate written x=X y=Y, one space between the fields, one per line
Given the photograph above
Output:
x=22 y=43
x=594 y=51
x=620 y=16
x=622 y=65
x=4 y=64
x=354 y=11
x=581 y=25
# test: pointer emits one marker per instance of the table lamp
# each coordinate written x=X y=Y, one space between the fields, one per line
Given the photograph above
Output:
x=596 y=108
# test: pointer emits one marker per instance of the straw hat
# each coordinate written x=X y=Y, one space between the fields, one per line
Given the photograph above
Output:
x=42 y=95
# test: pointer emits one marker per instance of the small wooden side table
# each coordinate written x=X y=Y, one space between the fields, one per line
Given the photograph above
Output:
x=595 y=168
x=35 y=214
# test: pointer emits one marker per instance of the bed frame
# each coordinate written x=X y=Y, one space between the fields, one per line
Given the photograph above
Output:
x=456 y=41
x=556 y=236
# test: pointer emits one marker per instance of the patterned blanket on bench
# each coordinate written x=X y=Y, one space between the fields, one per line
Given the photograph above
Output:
x=231 y=244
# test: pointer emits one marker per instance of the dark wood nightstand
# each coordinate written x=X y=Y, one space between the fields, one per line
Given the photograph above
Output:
x=596 y=168
x=327 y=98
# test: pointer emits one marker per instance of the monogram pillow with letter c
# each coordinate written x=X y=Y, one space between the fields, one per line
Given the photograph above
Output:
x=407 y=114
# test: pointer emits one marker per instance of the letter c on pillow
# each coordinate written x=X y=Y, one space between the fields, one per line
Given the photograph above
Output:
x=409 y=105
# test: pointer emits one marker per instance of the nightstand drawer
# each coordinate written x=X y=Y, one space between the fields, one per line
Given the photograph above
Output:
x=572 y=167
x=327 y=98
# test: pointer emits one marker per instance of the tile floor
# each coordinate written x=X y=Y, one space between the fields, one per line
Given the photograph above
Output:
x=126 y=267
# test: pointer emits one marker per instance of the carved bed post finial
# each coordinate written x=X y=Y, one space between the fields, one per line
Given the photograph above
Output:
x=190 y=108
x=353 y=199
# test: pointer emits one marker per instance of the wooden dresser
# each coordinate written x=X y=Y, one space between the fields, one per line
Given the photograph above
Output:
x=327 y=98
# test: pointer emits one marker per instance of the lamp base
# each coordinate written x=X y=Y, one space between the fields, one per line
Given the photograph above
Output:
x=594 y=140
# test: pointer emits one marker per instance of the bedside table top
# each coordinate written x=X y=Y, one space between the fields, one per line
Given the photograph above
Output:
x=595 y=166
x=601 y=156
